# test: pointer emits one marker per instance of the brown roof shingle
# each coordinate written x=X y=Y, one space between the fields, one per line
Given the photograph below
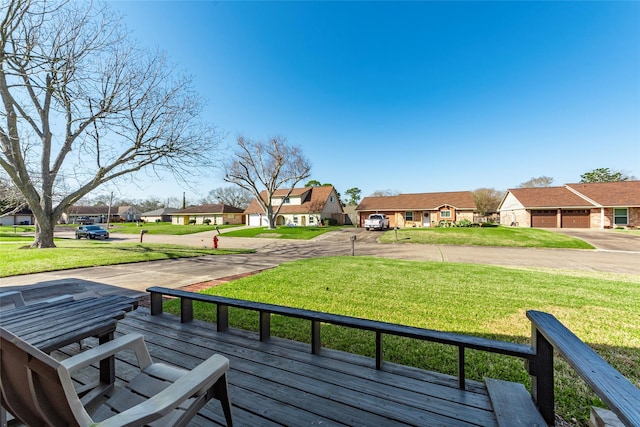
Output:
x=419 y=201
x=549 y=197
x=217 y=208
x=611 y=194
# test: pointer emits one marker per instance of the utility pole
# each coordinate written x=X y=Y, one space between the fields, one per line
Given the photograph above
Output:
x=109 y=210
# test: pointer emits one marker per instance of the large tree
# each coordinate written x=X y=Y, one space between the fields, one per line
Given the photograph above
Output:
x=82 y=105
x=267 y=166
x=354 y=196
x=541 y=181
x=603 y=175
x=230 y=195
x=487 y=200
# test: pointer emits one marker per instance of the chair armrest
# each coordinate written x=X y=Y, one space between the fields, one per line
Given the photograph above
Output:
x=15 y=297
x=194 y=382
x=133 y=342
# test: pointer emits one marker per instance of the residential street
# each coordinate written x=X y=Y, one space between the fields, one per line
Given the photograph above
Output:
x=271 y=252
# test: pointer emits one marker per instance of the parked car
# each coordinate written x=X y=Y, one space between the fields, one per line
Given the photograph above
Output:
x=84 y=220
x=91 y=232
x=376 y=222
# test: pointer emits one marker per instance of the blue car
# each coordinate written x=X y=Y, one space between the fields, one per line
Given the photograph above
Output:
x=91 y=232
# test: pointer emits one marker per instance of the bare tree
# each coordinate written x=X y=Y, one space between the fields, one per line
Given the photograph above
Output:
x=487 y=200
x=82 y=105
x=231 y=195
x=541 y=181
x=384 y=193
x=11 y=199
x=270 y=165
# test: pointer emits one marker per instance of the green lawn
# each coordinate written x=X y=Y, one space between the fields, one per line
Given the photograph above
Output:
x=485 y=236
x=20 y=259
x=162 y=228
x=284 y=232
x=602 y=309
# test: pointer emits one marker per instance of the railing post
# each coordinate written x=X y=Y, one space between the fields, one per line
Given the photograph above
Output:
x=186 y=310
x=315 y=337
x=461 y=373
x=265 y=325
x=222 y=317
x=156 y=303
x=541 y=372
x=379 y=355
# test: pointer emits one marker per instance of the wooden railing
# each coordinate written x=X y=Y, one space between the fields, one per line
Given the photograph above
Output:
x=548 y=334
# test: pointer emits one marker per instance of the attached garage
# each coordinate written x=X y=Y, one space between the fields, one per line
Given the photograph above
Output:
x=576 y=218
x=544 y=218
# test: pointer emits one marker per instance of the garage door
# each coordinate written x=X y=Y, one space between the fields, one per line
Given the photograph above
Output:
x=575 y=218
x=544 y=219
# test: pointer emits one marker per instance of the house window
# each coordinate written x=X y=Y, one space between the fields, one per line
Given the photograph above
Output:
x=286 y=200
x=408 y=216
x=295 y=219
x=445 y=213
x=331 y=199
x=311 y=219
x=620 y=216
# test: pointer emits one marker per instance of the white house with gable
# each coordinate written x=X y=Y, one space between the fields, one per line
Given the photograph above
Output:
x=308 y=206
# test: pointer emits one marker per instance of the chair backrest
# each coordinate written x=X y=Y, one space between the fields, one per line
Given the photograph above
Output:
x=35 y=388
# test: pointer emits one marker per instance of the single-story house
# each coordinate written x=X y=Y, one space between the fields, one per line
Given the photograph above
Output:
x=158 y=215
x=419 y=209
x=21 y=217
x=592 y=205
x=218 y=214
x=303 y=206
x=98 y=214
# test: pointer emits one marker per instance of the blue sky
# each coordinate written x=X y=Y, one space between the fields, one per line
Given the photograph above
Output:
x=412 y=96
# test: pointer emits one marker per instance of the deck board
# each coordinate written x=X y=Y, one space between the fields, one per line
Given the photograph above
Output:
x=280 y=382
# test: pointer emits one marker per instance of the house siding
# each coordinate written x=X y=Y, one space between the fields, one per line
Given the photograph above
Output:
x=513 y=213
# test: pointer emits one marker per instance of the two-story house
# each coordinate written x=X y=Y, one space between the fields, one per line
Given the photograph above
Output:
x=303 y=206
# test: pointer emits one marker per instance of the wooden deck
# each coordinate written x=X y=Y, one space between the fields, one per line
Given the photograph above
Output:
x=280 y=382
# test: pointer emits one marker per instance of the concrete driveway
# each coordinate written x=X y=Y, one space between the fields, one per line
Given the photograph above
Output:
x=605 y=240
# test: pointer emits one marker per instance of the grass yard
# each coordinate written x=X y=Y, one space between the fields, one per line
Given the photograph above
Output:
x=489 y=236
x=602 y=309
x=284 y=232
x=19 y=259
x=162 y=228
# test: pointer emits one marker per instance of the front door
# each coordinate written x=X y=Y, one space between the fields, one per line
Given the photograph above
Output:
x=426 y=219
x=304 y=220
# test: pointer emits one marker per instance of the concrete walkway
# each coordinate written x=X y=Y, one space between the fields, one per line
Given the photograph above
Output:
x=135 y=278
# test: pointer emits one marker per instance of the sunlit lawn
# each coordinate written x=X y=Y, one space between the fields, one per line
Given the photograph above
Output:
x=602 y=309
x=162 y=228
x=18 y=258
x=284 y=232
x=485 y=236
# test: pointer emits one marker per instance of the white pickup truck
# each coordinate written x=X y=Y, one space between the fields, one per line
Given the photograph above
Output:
x=376 y=222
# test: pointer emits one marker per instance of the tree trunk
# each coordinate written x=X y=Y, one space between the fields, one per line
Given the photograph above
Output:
x=271 y=217
x=44 y=233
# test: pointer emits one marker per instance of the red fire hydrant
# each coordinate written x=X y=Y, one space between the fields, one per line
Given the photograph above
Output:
x=215 y=242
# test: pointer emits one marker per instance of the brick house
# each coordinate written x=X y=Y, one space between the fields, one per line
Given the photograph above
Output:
x=420 y=209
x=593 y=205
